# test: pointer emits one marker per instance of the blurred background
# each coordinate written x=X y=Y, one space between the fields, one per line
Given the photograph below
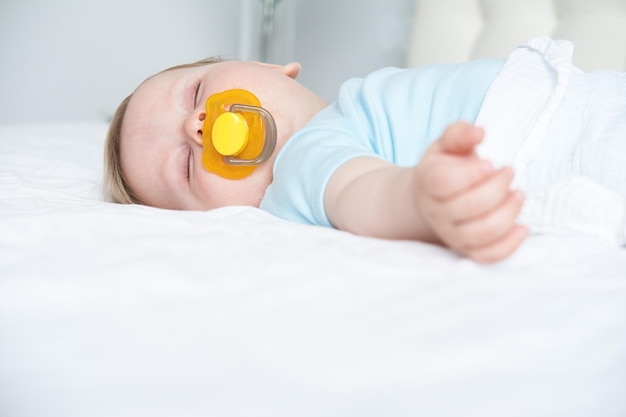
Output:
x=75 y=60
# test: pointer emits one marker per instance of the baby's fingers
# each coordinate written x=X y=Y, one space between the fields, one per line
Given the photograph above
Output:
x=453 y=175
x=460 y=138
x=480 y=199
x=501 y=248
x=489 y=228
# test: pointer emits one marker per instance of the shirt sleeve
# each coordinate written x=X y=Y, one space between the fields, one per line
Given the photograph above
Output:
x=305 y=165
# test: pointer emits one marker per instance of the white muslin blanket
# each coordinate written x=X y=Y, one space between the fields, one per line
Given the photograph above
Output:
x=564 y=133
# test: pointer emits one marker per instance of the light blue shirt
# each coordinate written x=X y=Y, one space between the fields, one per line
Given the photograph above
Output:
x=393 y=114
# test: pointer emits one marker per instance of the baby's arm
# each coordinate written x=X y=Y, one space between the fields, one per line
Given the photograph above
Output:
x=451 y=197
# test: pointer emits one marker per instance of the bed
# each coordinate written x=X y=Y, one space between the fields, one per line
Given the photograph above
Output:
x=110 y=310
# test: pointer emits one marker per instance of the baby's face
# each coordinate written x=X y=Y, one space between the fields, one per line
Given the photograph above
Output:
x=161 y=136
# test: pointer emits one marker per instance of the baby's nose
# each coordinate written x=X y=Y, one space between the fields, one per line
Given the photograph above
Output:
x=194 y=126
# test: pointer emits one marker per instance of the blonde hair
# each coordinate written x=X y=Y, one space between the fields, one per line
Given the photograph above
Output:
x=116 y=187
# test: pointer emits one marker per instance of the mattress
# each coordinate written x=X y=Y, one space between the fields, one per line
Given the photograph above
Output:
x=112 y=310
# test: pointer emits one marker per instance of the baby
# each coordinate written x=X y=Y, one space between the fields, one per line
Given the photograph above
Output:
x=396 y=156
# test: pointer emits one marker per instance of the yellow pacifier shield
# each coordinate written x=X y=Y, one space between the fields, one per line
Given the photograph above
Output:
x=226 y=133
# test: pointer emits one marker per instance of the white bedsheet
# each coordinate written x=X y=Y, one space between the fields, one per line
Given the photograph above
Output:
x=109 y=310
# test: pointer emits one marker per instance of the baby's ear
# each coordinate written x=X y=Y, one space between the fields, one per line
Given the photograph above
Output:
x=291 y=69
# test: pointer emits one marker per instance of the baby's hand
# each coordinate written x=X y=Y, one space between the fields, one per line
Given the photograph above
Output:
x=469 y=206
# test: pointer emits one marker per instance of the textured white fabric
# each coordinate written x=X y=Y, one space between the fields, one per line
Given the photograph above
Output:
x=564 y=133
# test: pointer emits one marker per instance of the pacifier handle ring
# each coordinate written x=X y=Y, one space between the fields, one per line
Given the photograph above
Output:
x=269 y=139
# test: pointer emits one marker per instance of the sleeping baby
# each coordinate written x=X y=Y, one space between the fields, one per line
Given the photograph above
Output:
x=425 y=153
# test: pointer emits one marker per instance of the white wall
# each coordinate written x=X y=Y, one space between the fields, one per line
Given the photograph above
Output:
x=74 y=60
x=339 y=39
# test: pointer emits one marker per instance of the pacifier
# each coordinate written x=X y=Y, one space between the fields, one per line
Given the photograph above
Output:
x=238 y=134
